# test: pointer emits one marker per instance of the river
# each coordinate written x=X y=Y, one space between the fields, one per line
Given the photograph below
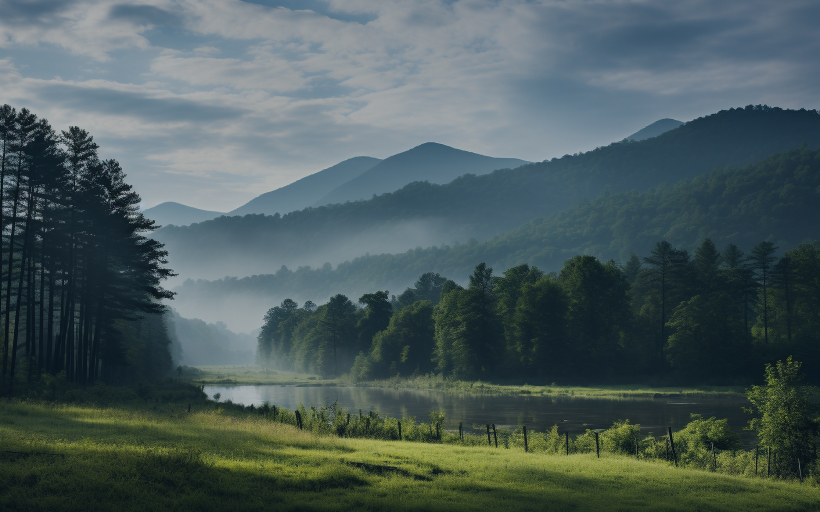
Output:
x=536 y=412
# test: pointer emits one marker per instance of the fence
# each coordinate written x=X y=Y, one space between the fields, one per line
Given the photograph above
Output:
x=623 y=438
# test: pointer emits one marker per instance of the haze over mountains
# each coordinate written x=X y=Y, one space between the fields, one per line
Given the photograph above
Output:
x=538 y=213
x=431 y=162
x=356 y=178
x=361 y=177
x=777 y=200
x=309 y=190
x=480 y=207
x=655 y=129
x=178 y=214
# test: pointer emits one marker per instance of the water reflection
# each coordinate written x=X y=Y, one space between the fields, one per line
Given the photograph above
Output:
x=537 y=412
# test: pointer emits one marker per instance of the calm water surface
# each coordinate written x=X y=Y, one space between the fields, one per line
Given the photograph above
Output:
x=538 y=412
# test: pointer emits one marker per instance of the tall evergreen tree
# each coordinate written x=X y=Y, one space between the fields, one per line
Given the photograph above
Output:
x=761 y=259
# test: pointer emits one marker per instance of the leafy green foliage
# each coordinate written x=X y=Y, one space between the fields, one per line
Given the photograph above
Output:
x=787 y=421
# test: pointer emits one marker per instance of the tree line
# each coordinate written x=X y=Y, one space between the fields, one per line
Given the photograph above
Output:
x=80 y=286
x=669 y=317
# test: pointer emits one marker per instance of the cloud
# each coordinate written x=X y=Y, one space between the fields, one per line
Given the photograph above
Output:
x=240 y=97
x=142 y=15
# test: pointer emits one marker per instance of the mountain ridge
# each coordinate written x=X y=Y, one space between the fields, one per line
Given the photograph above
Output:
x=306 y=191
x=769 y=200
x=480 y=207
x=431 y=161
x=173 y=213
x=659 y=127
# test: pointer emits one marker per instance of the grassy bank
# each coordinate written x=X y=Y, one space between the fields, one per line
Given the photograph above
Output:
x=145 y=451
x=257 y=375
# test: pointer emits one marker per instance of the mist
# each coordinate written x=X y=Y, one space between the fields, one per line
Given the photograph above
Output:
x=267 y=256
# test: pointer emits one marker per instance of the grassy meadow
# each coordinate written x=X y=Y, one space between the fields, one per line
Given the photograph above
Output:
x=145 y=451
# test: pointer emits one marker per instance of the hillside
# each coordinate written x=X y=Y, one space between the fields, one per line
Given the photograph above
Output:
x=777 y=199
x=655 y=129
x=178 y=214
x=308 y=190
x=431 y=162
x=480 y=207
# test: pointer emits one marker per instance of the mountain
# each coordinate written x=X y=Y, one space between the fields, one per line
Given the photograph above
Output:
x=178 y=214
x=308 y=190
x=431 y=162
x=777 y=200
x=480 y=207
x=655 y=129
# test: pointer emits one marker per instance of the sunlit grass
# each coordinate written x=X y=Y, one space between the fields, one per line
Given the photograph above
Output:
x=157 y=456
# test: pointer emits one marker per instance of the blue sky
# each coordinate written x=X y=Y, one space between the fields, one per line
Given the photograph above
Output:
x=213 y=102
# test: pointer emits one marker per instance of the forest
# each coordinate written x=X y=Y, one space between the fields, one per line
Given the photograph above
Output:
x=81 y=281
x=669 y=317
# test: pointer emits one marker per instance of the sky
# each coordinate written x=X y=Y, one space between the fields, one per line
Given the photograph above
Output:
x=212 y=102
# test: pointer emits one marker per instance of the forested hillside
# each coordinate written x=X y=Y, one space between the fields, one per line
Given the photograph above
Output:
x=423 y=214
x=81 y=283
x=777 y=199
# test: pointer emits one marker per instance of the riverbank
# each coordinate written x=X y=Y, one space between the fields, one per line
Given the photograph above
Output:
x=255 y=375
x=149 y=452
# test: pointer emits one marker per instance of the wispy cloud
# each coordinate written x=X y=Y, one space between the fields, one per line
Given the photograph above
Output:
x=213 y=101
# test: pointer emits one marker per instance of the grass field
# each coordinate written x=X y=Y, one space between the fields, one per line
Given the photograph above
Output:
x=150 y=453
x=258 y=375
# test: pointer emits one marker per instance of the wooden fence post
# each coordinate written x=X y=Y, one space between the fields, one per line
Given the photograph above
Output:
x=566 y=441
x=672 y=444
x=460 y=432
x=399 y=431
x=526 y=447
x=495 y=437
x=489 y=442
x=799 y=471
x=714 y=458
x=597 y=447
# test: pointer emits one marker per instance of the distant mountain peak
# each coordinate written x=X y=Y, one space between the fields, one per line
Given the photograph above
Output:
x=431 y=161
x=657 y=128
x=178 y=214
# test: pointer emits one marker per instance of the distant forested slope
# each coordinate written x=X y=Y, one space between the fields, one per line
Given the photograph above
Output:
x=777 y=200
x=422 y=214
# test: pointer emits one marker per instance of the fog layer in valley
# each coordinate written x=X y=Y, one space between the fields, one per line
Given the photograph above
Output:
x=295 y=250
